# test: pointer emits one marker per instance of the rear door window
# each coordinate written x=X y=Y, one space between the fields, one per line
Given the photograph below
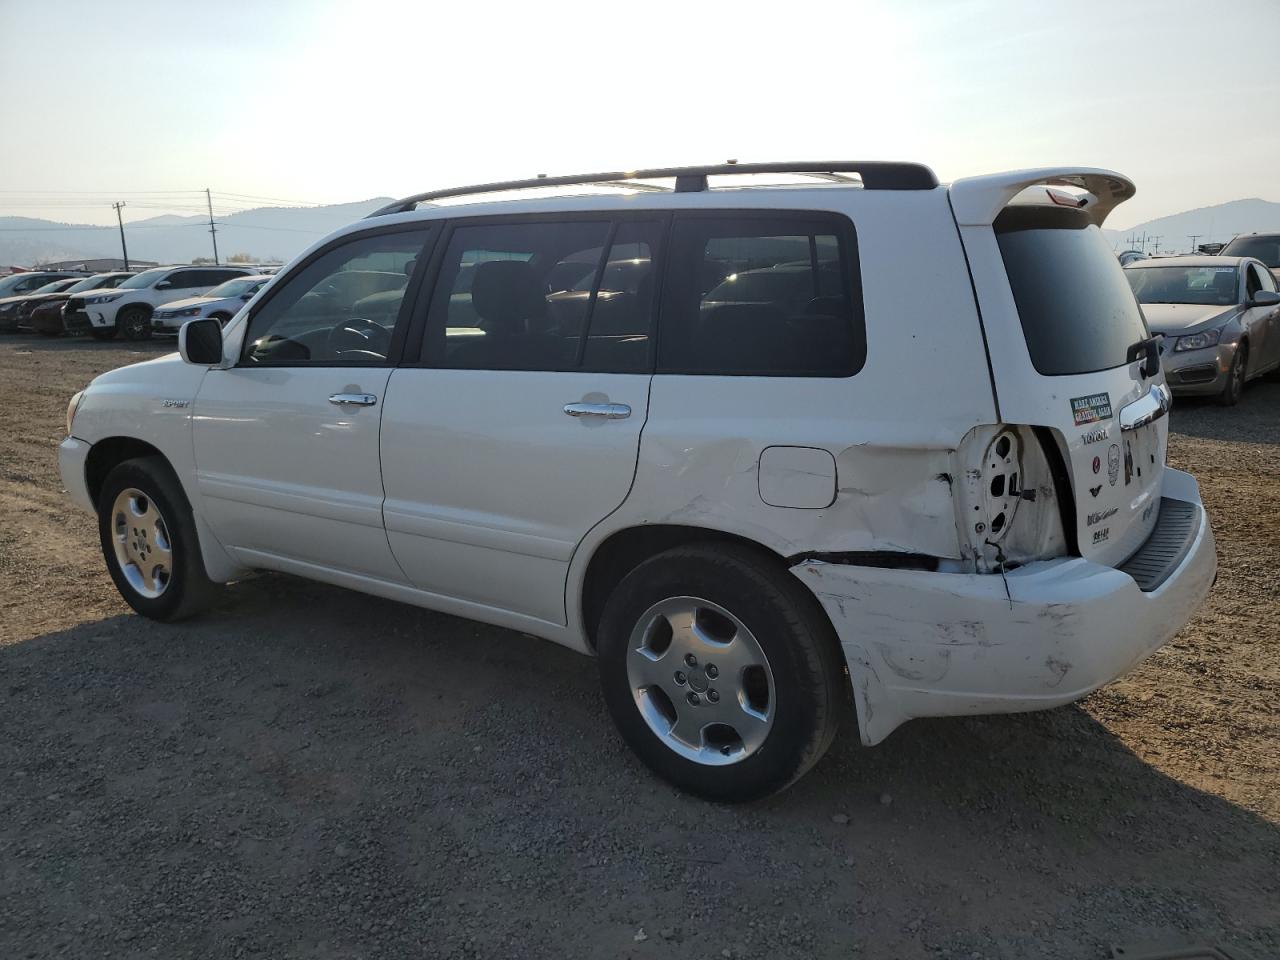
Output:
x=1077 y=311
x=539 y=295
x=772 y=295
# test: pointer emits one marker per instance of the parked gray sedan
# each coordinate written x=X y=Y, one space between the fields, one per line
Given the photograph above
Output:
x=1220 y=317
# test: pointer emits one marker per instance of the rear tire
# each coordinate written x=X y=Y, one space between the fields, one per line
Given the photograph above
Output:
x=135 y=322
x=149 y=541
x=748 y=726
x=1234 y=387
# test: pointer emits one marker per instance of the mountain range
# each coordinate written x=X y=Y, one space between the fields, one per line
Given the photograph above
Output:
x=279 y=233
x=265 y=233
x=1219 y=223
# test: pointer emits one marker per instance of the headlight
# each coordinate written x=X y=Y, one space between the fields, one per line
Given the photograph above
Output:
x=189 y=312
x=71 y=410
x=1198 y=341
x=105 y=298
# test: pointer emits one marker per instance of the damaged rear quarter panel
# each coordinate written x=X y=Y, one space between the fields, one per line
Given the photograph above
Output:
x=892 y=427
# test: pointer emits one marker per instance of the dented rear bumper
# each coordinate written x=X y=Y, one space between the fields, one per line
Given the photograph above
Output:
x=922 y=644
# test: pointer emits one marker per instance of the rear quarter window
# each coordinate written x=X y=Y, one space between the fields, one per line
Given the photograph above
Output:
x=771 y=295
x=1077 y=310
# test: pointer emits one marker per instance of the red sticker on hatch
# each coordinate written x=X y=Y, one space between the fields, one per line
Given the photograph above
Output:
x=1097 y=464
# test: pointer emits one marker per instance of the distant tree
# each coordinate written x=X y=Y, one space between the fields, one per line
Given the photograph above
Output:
x=240 y=258
x=201 y=260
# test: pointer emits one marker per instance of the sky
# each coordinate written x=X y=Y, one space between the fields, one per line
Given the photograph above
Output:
x=322 y=101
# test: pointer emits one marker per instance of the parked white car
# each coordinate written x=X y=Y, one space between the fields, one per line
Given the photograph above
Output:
x=129 y=307
x=221 y=303
x=888 y=439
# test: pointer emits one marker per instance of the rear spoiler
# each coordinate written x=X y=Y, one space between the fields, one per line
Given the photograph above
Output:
x=977 y=201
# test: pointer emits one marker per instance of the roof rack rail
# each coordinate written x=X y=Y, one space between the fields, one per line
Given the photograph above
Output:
x=875 y=175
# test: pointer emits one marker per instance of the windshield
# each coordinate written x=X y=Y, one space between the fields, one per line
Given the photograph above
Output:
x=1205 y=286
x=1266 y=249
x=88 y=283
x=8 y=284
x=144 y=279
x=234 y=288
x=53 y=287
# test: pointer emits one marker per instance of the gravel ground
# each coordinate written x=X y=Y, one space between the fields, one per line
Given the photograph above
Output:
x=308 y=772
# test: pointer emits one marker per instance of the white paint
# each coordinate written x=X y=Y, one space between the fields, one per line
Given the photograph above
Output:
x=490 y=485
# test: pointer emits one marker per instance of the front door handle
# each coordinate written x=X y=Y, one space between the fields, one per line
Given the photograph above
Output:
x=609 y=411
x=353 y=399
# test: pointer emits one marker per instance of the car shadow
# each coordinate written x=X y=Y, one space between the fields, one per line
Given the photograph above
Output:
x=305 y=769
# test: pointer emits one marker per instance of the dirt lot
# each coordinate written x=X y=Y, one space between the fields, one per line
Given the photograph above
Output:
x=314 y=773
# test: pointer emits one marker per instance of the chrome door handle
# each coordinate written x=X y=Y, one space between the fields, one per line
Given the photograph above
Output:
x=353 y=399
x=609 y=411
x=1146 y=409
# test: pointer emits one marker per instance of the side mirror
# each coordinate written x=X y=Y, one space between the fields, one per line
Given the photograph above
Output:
x=164 y=284
x=200 y=342
x=1265 y=298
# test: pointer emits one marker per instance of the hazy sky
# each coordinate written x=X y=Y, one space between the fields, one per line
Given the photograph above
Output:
x=333 y=101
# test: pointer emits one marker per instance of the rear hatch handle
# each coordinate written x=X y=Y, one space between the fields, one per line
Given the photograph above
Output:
x=1146 y=409
x=1151 y=348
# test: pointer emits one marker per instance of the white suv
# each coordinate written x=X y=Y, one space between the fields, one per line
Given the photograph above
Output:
x=129 y=307
x=756 y=449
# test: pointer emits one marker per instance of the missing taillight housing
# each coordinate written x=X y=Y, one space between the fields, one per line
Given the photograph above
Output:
x=1007 y=507
x=1000 y=467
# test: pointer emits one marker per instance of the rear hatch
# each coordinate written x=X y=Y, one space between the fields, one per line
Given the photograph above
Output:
x=1066 y=341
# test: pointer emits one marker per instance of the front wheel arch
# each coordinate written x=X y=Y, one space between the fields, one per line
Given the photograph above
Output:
x=105 y=455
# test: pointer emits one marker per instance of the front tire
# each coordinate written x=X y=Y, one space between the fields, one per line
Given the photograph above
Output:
x=1234 y=387
x=135 y=322
x=149 y=541
x=720 y=670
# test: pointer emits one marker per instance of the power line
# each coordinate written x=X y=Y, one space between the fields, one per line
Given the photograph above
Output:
x=249 y=196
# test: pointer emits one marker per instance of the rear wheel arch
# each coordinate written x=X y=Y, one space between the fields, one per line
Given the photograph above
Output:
x=624 y=550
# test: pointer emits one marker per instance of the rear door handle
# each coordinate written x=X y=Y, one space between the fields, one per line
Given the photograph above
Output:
x=1146 y=409
x=353 y=399
x=609 y=411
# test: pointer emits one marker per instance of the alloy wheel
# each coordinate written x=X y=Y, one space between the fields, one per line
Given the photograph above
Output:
x=142 y=545
x=701 y=681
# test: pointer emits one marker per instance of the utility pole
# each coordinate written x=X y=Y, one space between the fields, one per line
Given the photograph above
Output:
x=213 y=231
x=1155 y=243
x=1193 y=237
x=120 y=220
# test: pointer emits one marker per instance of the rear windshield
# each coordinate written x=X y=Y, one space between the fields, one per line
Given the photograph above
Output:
x=1265 y=248
x=1077 y=311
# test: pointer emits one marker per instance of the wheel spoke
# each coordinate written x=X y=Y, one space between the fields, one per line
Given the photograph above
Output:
x=647 y=670
x=688 y=725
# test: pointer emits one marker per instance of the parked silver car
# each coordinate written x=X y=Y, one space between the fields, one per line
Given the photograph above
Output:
x=1220 y=317
x=222 y=303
